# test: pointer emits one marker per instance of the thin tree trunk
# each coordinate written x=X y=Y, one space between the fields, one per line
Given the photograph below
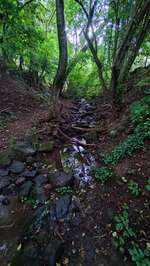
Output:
x=59 y=79
x=136 y=33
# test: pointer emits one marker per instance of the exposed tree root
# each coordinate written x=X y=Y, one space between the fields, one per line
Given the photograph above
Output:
x=74 y=140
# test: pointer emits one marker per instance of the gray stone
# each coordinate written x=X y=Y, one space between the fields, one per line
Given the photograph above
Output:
x=41 y=179
x=52 y=212
x=26 y=189
x=17 y=167
x=29 y=174
x=63 y=207
x=60 y=179
x=4 y=182
x=40 y=194
x=4 y=172
x=24 y=148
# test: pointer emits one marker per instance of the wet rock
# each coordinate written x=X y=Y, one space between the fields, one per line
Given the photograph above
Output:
x=41 y=179
x=52 y=212
x=29 y=174
x=4 y=182
x=40 y=194
x=46 y=147
x=4 y=172
x=63 y=207
x=24 y=149
x=60 y=179
x=17 y=167
x=26 y=189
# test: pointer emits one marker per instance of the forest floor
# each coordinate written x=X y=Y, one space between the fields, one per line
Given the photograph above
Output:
x=59 y=198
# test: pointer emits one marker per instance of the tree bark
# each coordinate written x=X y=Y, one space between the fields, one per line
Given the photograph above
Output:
x=128 y=50
x=59 y=79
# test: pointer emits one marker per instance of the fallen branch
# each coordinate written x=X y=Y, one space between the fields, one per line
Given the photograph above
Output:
x=72 y=140
x=89 y=129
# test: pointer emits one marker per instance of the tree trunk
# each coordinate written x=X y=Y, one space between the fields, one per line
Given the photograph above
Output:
x=135 y=35
x=97 y=61
x=59 y=79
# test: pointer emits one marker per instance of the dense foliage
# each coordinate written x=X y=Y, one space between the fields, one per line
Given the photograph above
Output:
x=28 y=37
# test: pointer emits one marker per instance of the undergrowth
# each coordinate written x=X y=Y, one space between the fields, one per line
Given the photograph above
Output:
x=140 y=110
x=129 y=145
x=125 y=239
x=103 y=174
x=134 y=188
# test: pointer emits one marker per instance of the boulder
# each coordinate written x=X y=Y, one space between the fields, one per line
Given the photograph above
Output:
x=52 y=212
x=26 y=189
x=24 y=149
x=41 y=179
x=60 y=179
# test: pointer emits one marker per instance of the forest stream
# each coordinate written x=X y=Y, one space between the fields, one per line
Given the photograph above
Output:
x=38 y=193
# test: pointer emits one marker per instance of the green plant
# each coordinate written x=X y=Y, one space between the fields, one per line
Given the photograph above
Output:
x=123 y=231
x=140 y=110
x=125 y=239
x=31 y=201
x=102 y=174
x=139 y=256
x=134 y=188
x=148 y=185
x=129 y=145
x=64 y=190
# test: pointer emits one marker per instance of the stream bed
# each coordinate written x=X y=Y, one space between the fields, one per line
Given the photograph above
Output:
x=30 y=205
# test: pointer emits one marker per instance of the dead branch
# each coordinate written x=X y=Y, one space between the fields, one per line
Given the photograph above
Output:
x=72 y=140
